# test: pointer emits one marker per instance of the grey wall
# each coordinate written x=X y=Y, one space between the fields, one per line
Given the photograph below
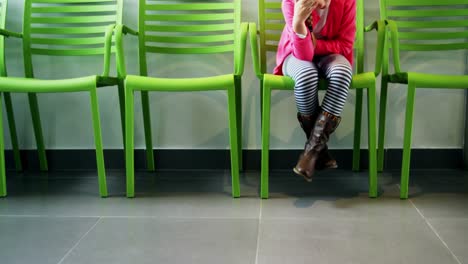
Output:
x=199 y=120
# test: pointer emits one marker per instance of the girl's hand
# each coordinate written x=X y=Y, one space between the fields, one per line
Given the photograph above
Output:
x=321 y=4
x=302 y=10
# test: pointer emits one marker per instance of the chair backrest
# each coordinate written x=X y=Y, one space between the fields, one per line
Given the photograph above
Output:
x=67 y=27
x=187 y=27
x=271 y=24
x=428 y=25
x=3 y=9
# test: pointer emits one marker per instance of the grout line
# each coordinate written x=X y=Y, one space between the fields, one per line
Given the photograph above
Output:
x=76 y=244
x=433 y=230
x=310 y=218
x=258 y=233
x=25 y=216
x=134 y=217
x=436 y=233
x=182 y=217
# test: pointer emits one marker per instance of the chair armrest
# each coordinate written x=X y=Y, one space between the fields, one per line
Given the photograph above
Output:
x=393 y=28
x=126 y=30
x=379 y=25
x=254 y=50
x=7 y=33
x=239 y=59
x=120 y=30
x=107 y=49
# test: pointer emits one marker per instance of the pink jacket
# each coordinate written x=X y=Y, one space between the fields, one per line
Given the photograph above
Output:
x=338 y=34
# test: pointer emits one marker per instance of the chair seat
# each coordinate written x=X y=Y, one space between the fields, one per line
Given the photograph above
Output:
x=363 y=80
x=280 y=82
x=143 y=83
x=427 y=80
x=14 y=84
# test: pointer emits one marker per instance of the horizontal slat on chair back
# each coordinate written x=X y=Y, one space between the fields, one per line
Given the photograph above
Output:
x=69 y=27
x=427 y=25
x=271 y=25
x=188 y=27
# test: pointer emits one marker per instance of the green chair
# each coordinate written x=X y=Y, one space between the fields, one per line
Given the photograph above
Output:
x=66 y=28
x=425 y=26
x=8 y=105
x=271 y=23
x=203 y=27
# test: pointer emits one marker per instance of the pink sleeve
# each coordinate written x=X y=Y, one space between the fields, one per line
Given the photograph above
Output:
x=302 y=48
x=344 y=42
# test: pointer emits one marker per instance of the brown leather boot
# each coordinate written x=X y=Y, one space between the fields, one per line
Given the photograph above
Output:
x=307 y=122
x=324 y=126
x=325 y=160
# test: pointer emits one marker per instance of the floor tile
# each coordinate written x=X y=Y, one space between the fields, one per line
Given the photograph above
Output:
x=303 y=241
x=344 y=196
x=327 y=183
x=190 y=217
x=440 y=193
x=39 y=240
x=442 y=205
x=454 y=232
x=169 y=195
x=168 y=241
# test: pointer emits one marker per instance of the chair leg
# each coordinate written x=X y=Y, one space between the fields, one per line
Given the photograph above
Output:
x=3 y=190
x=372 y=125
x=34 y=107
x=122 y=109
x=233 y=141
x=13 y=131
x=357 y=131
x=382 y=121
x=238 y=83
x=264 y=193
x=98 y=142
x=129 y=151
x=148 y=135
x=407 y=141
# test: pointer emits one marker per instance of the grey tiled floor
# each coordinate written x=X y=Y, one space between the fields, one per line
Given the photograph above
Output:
x=189 y=217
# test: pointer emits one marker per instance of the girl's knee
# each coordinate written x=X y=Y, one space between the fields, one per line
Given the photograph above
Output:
x=307 y=75
x=341 y=71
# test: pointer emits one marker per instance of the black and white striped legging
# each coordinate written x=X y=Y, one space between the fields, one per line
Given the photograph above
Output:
x=305 y=74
